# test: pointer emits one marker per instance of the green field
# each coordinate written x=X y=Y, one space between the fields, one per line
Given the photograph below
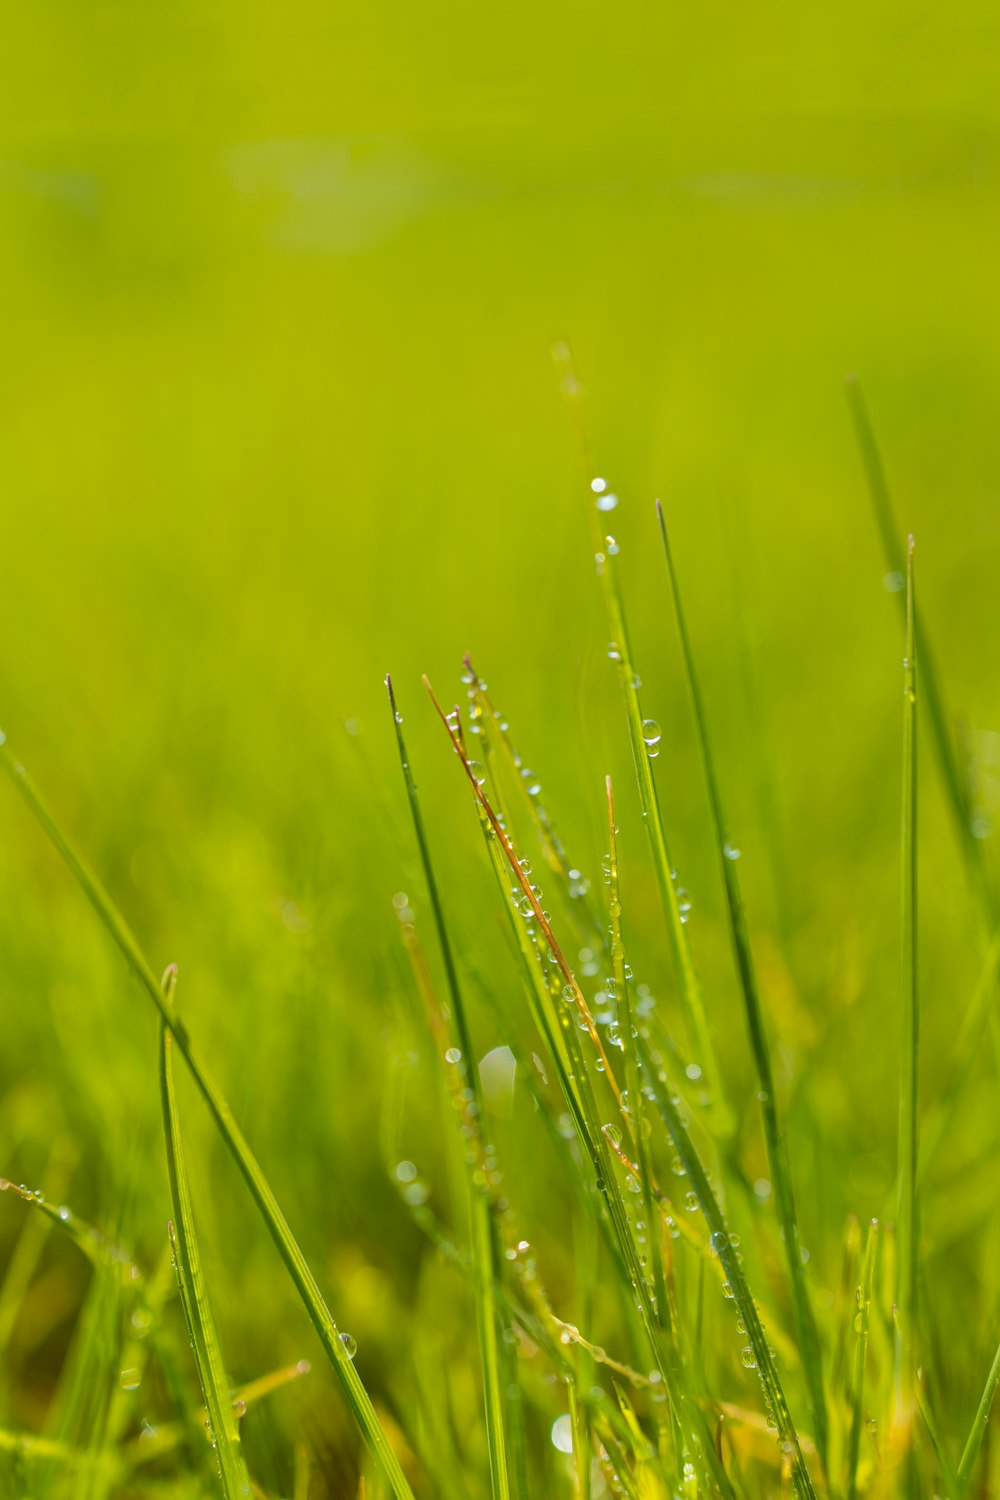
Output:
x=279 y=413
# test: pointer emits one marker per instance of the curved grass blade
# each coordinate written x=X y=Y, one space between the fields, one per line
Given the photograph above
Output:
x=777 y=1152
x=906 y=1222
x=260 y=1190
x=485 y=1249
x=930 y=689
x=194 y=1293
x=860 y=1355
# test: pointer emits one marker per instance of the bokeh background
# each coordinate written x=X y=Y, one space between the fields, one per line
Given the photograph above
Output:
x=278 y=290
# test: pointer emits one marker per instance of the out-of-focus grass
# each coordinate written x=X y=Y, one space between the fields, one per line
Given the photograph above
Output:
x=277 y=412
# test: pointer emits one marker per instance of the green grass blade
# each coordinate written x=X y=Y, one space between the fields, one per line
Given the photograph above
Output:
x=693 y=1000
x=194 y=1295
x=930 y=689
x=774 y=1140
x=762 y=1358
x=860 y=1355
x=980 y=1422
x=295 y=1262
x=485 y=1249
x=906 y=1222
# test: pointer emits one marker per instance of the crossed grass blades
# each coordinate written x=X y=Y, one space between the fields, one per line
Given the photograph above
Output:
x=636 y=1105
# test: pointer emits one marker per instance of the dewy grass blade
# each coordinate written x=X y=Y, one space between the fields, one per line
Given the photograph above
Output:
x=860 y=1354
x=907 y=1225
x=260 y=1190
x=639 y=735
x=485 y=1250
x=595 y=1140
x=740 y=938
x=930 y=690
x=223 y=1428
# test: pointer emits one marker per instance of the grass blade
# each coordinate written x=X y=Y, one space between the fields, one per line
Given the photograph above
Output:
x=777 y=1153
x=980 y=1422
x=909 y=1039
x=295 y=1262
x=930 y=690
x=194 y=1293
x=485 y=1249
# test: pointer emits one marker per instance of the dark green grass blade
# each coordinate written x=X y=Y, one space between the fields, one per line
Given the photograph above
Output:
x=739 y=936
x=224 y=1432
x=774 y=1139
x=260 y=1190
x=860 y=1355
x=485 y=1250
x=930 y=689
x=906 y=1223
x=732 y=1265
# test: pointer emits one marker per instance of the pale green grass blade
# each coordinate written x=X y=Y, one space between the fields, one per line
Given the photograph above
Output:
x=260 y=1190
x=224 y=1432
x=774 y=1139
x=906 y=1220
x=485 y=1251
x=930 y=689
x=860 y=1356
x=977 y=1432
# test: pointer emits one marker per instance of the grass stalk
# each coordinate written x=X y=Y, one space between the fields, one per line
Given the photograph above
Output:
x=485 y=1249
x=774 y=1139
x=907 y=1226
x=222 y=1423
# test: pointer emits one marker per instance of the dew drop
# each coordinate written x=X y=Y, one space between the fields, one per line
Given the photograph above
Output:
x=349 y=1345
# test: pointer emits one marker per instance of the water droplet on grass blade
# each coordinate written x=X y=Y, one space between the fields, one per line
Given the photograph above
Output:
x=349 y=1345
x=562 y=1433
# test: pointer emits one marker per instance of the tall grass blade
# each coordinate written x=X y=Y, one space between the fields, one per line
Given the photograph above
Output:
x=930 y=689
x=777 y=1152
x=194 y=1294
x=906 y=1222
x=485 y=1249
x=295 y=1262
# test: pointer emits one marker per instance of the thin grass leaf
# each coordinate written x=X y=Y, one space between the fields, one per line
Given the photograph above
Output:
x=194 y=1293
x=930 y=688
x=774 y=1139
x=980 y=1422
x=906 y=1221
x=485 y=1250
x=860 y=1356
x=758 y=1354
x=640 y=733
x=295 y=1262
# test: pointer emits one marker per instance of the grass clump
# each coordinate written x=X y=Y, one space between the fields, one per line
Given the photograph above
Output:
x=643 y=1319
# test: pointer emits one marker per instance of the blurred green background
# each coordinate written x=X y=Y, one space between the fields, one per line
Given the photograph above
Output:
x=278 y=289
